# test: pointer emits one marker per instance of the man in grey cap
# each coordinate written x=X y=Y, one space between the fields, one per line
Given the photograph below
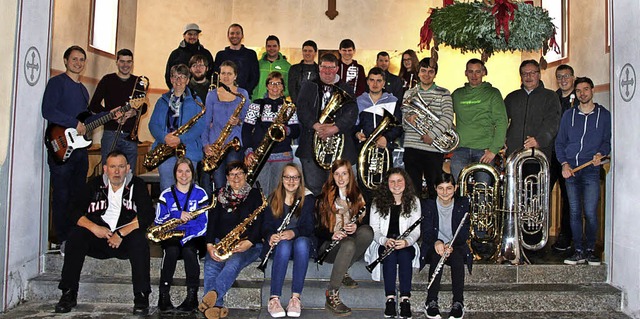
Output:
x=187 y=48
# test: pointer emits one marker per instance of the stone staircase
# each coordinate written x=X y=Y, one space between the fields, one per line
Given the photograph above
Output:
x=492 y=291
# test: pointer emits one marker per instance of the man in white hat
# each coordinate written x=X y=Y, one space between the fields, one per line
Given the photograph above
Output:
x=187 y=48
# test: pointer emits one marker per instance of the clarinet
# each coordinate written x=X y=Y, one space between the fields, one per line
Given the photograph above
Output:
x=389 y=250
x=335 y=243
x=281 y=228
x=445 y=255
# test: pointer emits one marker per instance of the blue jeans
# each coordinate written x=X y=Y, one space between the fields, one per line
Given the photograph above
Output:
x=300 y=247
x=124 y=145
x=165 y=170
x=219 y=276
x=583 y=191
x=399 y=262
x=67 y=180
x=463 y=156
x=219 y=175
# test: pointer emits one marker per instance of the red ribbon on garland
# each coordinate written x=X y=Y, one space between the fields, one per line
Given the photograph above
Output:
x=553 y=44
x=426 y=34
x=503 y=10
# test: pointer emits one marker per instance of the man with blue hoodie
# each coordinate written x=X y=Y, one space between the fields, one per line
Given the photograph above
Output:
x=481 y=119
x=272 y=60
x=584 y=136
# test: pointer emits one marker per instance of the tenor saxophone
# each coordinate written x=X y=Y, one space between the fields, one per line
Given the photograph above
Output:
x=167 y=230
x=219 y=149
x=224 y=248
x=163 y=151
x=275 y=134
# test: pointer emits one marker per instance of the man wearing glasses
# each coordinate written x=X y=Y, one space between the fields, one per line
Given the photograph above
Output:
x=533 y=112
x=199 y=83
x=313 y=97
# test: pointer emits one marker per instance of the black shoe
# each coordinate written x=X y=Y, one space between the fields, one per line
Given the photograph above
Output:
x=164 y=302
x=405 y=309
x=577 y=258
x=141 y=303
x=457 y=311
x=591 y=258
x=190 y=303
x=68 y=300
x=390 y=308
x=562 y=244
x=348 y=282
x=431 y=310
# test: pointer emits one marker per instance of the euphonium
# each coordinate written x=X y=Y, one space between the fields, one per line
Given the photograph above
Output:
x=374 y=161
x=163 y=151
x=447 y=141
x=224 y=248
x=328 y=150
x=275 y=133
x=526 y=205
x=219 y=149
x=167 y=230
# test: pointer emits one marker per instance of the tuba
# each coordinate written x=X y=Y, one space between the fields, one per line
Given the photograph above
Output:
x=219 y=149
x=328 y=150
x=224 y=248
x=447 y=141
x=167 y=230
x=162 y=151
x=275 y=133
x=373 y=161
x=484 y=203
x=526 y=206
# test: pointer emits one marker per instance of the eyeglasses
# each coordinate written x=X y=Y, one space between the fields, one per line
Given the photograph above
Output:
x=292 y=178
x=179 y=77
x=234 y=175
x=528 y=74
x=199 y=65
x=329 y=67
x=275 y=83
x=564 y=76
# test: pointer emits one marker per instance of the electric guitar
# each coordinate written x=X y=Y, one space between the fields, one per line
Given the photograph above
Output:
x=61 y=141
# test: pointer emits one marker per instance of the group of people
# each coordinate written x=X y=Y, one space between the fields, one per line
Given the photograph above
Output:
x=321 y=209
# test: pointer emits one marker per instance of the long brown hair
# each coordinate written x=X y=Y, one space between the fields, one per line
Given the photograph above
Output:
x=277 y=197
x=414 y=63
x=326 y=207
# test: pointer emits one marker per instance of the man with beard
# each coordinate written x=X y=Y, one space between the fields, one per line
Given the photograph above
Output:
x=306 y=70
x=188 y=47
x=245 y=59
x=199 y=83
x=114 y=90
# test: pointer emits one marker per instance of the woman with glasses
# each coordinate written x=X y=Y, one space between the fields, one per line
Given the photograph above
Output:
x=176 y=202
x=409 y=69
x=338 y=202
x=236 y=201
x=261 y=114
x=294 y=240
x=173 y=110
x=221 y=105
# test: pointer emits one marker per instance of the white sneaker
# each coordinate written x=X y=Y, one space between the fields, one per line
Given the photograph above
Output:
x=275 y=308
x=294 y=307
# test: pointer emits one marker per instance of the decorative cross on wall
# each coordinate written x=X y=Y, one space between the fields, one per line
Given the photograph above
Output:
x=331 y=12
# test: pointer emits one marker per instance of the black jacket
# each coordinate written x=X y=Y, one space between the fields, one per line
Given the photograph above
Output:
x=183 y=54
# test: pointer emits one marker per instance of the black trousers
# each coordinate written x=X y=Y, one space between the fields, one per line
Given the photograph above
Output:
x=456 y=261
x=82 y=242
x=419 y=164
x=173 y=250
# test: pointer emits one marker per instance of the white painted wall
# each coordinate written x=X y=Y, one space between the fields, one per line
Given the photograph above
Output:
x=625 y=242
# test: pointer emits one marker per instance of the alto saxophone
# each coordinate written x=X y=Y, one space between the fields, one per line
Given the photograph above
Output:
x=224 y=248
x=275 y=133
x=219 y=149
x=447 y=141
x=373 y=161
x=328 y=150
x=167 y=230
x=163 y=151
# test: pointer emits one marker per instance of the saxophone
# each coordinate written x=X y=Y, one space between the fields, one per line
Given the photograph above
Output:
x=163 y=151
x=374 y=162
x=224 y=248
x=218 y=148
x=447 y=141
x=275 y=133
x=328 y=150
x=167 y=230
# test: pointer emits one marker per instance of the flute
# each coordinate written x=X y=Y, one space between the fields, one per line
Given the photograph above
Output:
x=389 y=250
x=281 y=228
x=445 y=254
x=335 y=242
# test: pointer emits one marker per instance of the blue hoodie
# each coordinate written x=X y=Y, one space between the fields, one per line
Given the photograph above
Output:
x=583 y=135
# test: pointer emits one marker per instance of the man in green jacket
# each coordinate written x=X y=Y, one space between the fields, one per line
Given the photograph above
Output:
x=272 y=60
x=481 y=120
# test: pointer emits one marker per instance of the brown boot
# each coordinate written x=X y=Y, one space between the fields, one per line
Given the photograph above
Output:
x=335 y=305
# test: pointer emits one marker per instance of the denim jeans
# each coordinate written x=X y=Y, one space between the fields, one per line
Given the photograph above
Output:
x=463 y=156
x=270 y=175
x=583 y=191
x=300 y=247
x=66 y=180
x=219 y=276
x=165 y=170
x=399 y=262
x=219 y=175
x=124 y=144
